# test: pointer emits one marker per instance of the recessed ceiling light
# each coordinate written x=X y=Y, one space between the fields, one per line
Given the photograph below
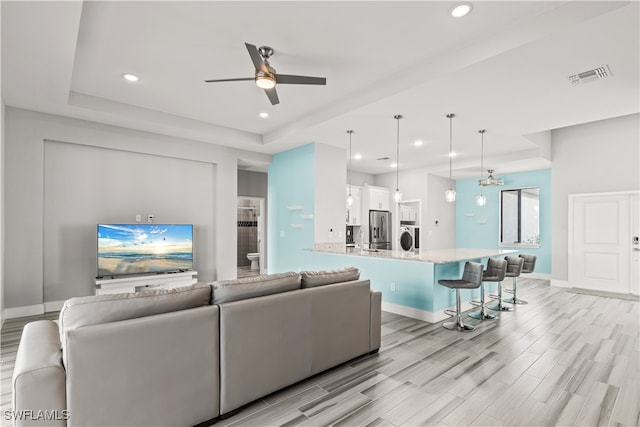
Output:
x=418 y=143
x=358 y=156
x=264 y=114
x=130 y=77
x=452 y=154
x=461 y=10
x=393 y=165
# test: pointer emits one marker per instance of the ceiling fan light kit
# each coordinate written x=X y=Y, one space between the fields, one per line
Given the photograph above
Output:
x=491 y=180
x=266 y=77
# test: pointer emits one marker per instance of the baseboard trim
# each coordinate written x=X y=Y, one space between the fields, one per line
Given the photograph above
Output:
x=53 y=306
x=560 y=283
x=27 y=310
x=424 y=315
x=534 y=275
x=32 y=310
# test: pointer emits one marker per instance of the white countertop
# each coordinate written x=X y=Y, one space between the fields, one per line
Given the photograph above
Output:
x=436 y=256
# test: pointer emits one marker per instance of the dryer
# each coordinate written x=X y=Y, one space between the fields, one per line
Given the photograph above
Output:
x=409 y=239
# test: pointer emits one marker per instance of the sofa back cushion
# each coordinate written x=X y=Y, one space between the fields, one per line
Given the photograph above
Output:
x=93 y=310
x=312 y=279
x=256 y=286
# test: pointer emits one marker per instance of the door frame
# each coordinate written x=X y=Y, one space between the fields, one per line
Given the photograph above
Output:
x=262 y=231
x=633 y=287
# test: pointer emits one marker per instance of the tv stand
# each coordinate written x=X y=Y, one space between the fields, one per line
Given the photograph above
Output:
x=142 y=283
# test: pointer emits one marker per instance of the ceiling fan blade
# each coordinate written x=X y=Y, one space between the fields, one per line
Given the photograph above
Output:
x=258 y=63
x=300 y=80
x=272 y=95
x=241 y=79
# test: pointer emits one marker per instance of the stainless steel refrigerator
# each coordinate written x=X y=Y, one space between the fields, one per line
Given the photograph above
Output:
x=380 y=229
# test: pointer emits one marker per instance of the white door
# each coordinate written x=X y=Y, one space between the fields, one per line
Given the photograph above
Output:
x=601 y=243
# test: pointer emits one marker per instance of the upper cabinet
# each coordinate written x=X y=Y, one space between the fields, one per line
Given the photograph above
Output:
x=379 y=198
x=354 y=211
x=408 y=213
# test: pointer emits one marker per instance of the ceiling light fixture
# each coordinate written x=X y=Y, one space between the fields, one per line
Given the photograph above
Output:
x=490 y=180
x=358 y=156
x=461 y=10
x=481 y=199
x=397 y=195
x=418 y=143
x=130 y=77
x=264 y=114
x=452 y=154
x=349 y=197
x=450 y=194
x=265 y=81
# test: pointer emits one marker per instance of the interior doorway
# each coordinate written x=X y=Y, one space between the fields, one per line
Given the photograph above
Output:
x=604 y=242
x=251 y=256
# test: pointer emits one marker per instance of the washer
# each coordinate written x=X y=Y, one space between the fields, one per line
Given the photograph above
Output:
x=407 y=238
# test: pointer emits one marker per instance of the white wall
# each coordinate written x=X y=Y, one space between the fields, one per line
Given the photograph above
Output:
x=329 y=180
x=595 y=157
x=360 y=179
x=2 y=109
x=25 y=136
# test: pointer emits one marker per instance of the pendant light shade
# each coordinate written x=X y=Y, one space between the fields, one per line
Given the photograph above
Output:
x=397 y=195
x=450 y=194
x=481 y=200
x=349 y=197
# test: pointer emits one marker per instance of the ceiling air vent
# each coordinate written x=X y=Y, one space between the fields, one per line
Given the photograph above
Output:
x=589 y=76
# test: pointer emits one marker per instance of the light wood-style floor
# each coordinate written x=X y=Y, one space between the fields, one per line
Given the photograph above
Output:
x=564 y=359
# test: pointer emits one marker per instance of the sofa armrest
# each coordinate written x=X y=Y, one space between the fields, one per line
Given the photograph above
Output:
x=375 y=330
x=39 y=389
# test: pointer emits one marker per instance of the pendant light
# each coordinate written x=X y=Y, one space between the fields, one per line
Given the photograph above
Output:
x=481 y=199
x=397 y=195
x=349 y=197
x=450 y=194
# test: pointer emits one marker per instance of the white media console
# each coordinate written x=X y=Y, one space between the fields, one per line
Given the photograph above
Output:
x=141 y=283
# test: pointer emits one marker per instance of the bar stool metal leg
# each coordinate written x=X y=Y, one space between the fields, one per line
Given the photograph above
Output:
x=458 y=325
x=515 y=299
x=499 y=306
x=482 y=314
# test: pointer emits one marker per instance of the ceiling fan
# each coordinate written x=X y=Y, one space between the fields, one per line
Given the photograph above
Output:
x=266 y=77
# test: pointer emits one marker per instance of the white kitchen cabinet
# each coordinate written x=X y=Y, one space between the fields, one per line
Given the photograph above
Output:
x=354 y=212
x=379 y=198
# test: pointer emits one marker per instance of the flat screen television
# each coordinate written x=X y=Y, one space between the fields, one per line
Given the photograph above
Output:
x=125 y=249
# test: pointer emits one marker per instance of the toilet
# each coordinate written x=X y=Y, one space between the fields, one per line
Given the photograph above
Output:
x=255 y=260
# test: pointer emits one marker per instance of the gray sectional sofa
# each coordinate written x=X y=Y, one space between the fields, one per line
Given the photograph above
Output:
x=186 y=356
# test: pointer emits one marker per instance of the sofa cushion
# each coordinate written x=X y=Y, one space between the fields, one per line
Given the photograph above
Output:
x=311 y=279
x=92 y=310
x=256 y=286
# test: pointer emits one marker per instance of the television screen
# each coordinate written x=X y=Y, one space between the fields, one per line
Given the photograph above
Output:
x=144 y=248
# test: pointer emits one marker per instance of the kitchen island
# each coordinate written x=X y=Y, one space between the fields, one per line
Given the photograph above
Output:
x=409 y=280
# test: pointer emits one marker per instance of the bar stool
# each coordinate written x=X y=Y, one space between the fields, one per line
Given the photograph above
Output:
x=471 y=279
x=514 y=268
x=496 y=269
x=528 y=266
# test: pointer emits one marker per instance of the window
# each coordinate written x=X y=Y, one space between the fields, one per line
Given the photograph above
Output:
x=520 y=217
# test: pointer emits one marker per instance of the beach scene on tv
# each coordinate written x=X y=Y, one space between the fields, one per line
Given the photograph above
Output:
x=144 y=248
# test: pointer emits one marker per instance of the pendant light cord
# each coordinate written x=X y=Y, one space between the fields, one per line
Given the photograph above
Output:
x=350 y=132
x=482 y=152
x=450 y=116
x=398 y=117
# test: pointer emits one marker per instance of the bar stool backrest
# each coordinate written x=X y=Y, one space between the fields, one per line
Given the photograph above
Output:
x=514 y=265
x=529 y=263
x=496 y=270
x=473 y=273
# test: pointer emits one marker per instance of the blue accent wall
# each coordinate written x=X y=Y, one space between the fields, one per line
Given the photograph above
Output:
x=474 y=232
x=291 y=182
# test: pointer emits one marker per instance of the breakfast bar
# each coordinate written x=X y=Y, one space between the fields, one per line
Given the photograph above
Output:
x=409 y=280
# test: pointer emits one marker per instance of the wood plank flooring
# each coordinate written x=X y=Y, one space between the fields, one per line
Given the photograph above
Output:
x=564 y=359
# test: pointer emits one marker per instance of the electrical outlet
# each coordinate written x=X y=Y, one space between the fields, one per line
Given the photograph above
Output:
x=393 y=286
x=150 y=218
x=138 y=217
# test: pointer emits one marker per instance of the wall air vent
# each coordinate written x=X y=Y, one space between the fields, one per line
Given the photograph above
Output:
x=383 y=158
x=590 y=76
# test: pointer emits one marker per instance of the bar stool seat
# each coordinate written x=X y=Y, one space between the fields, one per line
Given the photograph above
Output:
x=528 y=265
x=471 y=279
x=514 y=268
x=495 y=272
